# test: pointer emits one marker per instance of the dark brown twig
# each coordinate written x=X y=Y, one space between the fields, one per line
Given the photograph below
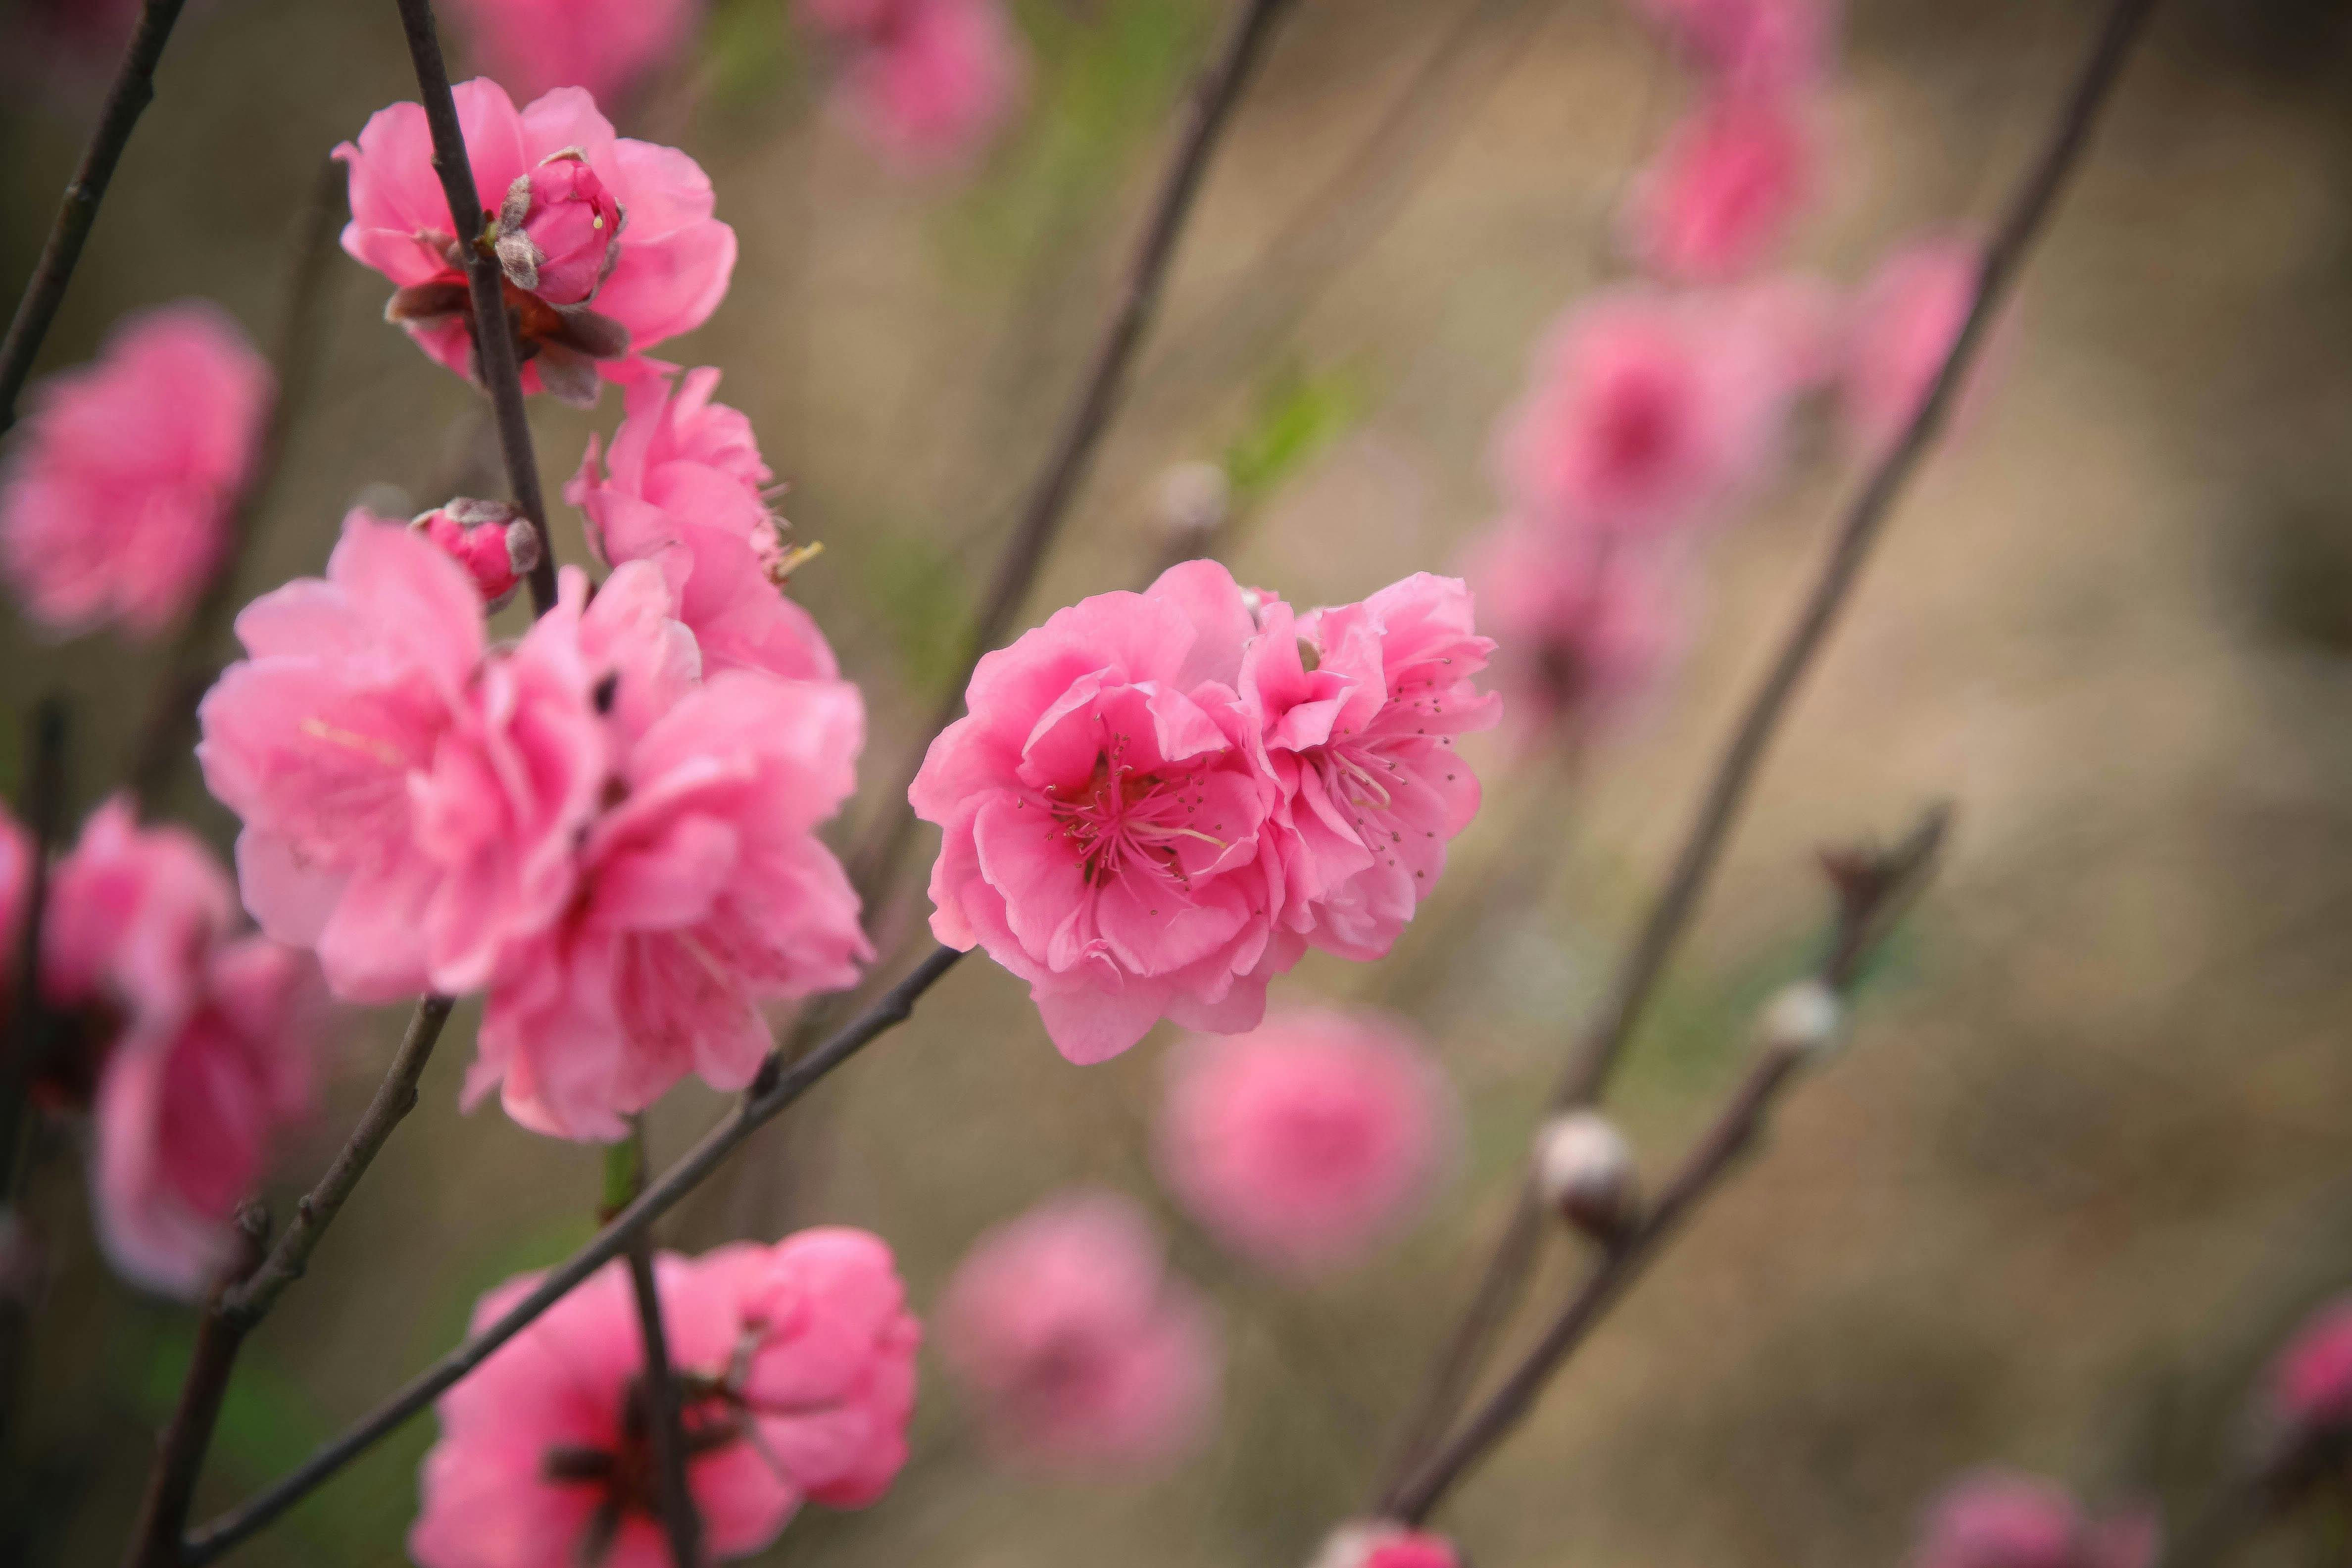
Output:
x=44 y=808
x=1605 y=1036
x=679 y=1518
x=163 y=741
x=777 y=1091
x=133 y=90
x=494 y=341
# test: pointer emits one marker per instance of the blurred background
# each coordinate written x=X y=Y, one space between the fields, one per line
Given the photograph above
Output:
x=2086 y=1157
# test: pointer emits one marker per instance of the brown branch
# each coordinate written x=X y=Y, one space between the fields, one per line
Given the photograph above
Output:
x=1207 y=112
x=494 y=340
x=133 y=90
x=1605 y=1035
x=1873 y=889
x=44 y=808
x=164 y=736
x=769 y=1097
x=663 y=1418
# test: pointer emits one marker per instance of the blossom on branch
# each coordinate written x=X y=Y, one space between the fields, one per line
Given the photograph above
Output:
x=1724 y=190
x=1584 y=627
x=1382 y=1543
x=2003 y=1519
x=1902 y=328
x=607 y=246
x=607 y=47
x=795 y=1373
x=496 y=544
x=928 y=82
x=1753 y=46
x=116 y=504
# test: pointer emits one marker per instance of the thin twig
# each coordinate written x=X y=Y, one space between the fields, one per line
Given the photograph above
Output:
x=180 y=1452
x=1207 y=112
x=625 y=1179
x=1873 y=889
x=1605 y=1036
x=163 y=737
x=774 y=1091
x=494 y=342
x=133 y=90
x=44 y=808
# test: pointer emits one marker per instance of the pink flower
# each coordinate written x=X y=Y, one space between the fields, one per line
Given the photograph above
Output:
x=115 y=507
x=685 y=486
x=1075 y=1346
x=1645 y=417
x=1300 y=1144
x=701 y=893
x=1904 y=324
x=1723 y=191
x=2002 y=1519
x=132 y=917
x=1379 y=1543
x=1773 y=47
x=2309 y=1385
x=608 y=244
x=604 y=45
x=15 y=887
x=1362 y=745
x=928 y=82
x=1584 y=627
x=1108 y=831
x=796 y=1370
x=496 y=545
x=1790 y=328
x=185 y=1114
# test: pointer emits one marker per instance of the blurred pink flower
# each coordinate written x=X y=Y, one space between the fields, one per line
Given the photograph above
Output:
x=1774 y=47
x=685 y=486
x=1379 y=1543
x=796 y=1365
x=490 y=539
x=132 y=917
x=350 y=686
x=1723 y=191
x=928 y=82
x=702 y=893
x=186 y=1113
x=15 y=887
x=1902 y=327
x=1108 y=827
x=1644 y=417
x=1584 y=627
x=1790 y=326
x=571 y=199
x=2309 y=1385
x=607 y=47
x=1074 y=1345
x=2002 y=1518
x=1301 y=1143
x=1362 y=746
x=115 y=506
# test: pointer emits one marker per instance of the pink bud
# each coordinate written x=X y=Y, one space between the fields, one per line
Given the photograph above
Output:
x=1378 y=1544
x=496 y=548
x=2310 y=1392
x=560 y=230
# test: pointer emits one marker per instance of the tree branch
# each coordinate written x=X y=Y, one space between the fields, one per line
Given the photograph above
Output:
x=624 y=1178
x=494 y=340
x=1606 y=1034
x=133 y=90
x=777 y=1088
x=43 y=805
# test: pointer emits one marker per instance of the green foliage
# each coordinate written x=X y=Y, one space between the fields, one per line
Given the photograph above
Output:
x=1299 y=414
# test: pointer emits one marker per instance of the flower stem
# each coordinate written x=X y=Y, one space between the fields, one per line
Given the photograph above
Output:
x=625 y=1179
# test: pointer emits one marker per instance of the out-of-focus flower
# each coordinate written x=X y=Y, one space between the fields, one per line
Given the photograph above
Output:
x=928 y=82
x=2002 y=1519
x=1362 y=746
x=2307 y=1391
x=684 y=487
x=1760 y=47
x=795 y=1365
x=1902 y=326
x=1584 y=627
x=115 y=506
x=1108 y=832
x=1301 y=1143
x=496 y=545
x=579 y=208
x=132 y=917
x=1077 y=1347
x=1724 y=190
x=1381 y=1544
x=1789 y=326
x=604 y=45
x=1639 y=421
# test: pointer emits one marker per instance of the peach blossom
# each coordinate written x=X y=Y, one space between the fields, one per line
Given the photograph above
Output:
x=1584 y=627
x=496 y=545
x=1722 y=193
x=928 y=82
x=132 y=918
x=1902 y=326
x=2308 y=1387
x=2002 y=1518
x=1382 y=1543
x=1753 y=46
x=607 y=47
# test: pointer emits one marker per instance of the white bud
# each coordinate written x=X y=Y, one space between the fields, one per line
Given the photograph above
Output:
x=1193 y=498
x=1372 y=1543
x=1805 y=1018
x=1584 y=1169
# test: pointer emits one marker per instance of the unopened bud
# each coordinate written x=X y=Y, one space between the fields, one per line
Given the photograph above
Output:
x=497 y=547
x=1194 y=500
x=1584 y=1169
x=1382 y=1543
x=1805 y=1019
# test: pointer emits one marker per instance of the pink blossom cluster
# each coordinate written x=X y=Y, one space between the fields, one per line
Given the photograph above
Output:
x=2307 y=1391
x=1075 y=1346
x=2002 y=1518
x=116 y=501
x=795 y=1366
x=190 y=1045
x=1158 y=800
x=606 y=246
x=612 y=838
x=927 y=82
x=607 y=47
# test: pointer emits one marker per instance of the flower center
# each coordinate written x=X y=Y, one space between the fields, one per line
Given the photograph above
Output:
x=1122 y=818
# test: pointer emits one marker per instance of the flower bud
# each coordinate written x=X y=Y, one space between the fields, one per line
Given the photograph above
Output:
x=1584 y=1169
x=1382 y=1543
x=1805 y=1018
x=496 y=548
x=558 y=230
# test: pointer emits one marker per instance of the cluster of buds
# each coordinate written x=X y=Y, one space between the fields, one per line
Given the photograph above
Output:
x=494 y=543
